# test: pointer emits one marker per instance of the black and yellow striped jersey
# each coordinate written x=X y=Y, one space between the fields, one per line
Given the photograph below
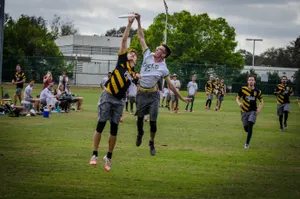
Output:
x=209 y=87
x=121 y=77
x=19 y=76
x=284 y=95
x=249 y=98
x=222 y=89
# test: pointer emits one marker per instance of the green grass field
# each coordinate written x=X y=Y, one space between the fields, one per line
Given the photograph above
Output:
x=199 y=155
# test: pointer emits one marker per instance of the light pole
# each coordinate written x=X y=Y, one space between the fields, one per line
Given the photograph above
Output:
x=254 y=40
x=166 y=33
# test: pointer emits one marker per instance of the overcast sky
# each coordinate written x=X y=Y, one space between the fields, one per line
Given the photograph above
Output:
x=277 y=22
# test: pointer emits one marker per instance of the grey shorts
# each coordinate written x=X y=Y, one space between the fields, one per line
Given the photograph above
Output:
x=19 y=91
x=109 y=108
x=248 y=117
x=132 y=99
x=147 y=103
x=210 y=96
x=174 y=98
x=220 y=97
x=169 y=97
x=283 y=107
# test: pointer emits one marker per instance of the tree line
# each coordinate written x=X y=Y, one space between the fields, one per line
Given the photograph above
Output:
x=200 y=45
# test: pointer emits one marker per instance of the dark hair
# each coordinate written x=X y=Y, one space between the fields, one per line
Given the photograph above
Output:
x=168 y=50
x=109 y=73
x=133 y=51
x=32 y=80
x=252 y=76
x=19 y=65
x=284 y=76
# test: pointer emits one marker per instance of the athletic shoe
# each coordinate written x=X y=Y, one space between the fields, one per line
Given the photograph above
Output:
x=121 y=119
x=191 y=111
x=216 y=109
x=280 y=129
x=93 y=160
x=285 y=127
x=246 y=146
x=138 y=141
x=107 y=164
x=186 y=110
x=152 y=148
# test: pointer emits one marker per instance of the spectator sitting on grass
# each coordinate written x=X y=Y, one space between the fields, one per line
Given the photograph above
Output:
x=47 y=98
x=77 y=99
x=29 y=98
x=63 y=100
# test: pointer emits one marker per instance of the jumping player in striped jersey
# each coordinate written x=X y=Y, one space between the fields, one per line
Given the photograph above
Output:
x=283 y=92
x=111 y=103
x=249 y=109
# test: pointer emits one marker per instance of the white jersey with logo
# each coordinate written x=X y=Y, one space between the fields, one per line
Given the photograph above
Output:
x=192 y=88
x=176 y=84
x=27 y=92
x=152 y=72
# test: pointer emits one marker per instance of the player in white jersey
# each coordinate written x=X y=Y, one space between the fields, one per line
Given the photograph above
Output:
x=192 y=88
x=174 y=98
x=132 y=90
x=152 y=70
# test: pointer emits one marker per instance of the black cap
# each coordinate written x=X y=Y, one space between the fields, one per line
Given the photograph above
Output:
x=168 y=50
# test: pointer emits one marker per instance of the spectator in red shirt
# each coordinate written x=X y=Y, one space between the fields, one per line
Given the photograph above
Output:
x=47 y=79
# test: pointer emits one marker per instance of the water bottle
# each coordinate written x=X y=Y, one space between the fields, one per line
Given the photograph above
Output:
x=46 y=112
x=57 y=109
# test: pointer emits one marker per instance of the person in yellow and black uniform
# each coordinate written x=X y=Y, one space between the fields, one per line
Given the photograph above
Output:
x=209 y=88
x=221 y=91
x=18 y=80
x=217 y=91
x=283 y=92
x=249 y=109
x=111 y=103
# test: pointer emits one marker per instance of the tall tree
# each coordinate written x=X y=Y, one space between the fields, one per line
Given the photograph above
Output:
x=119 y=33
x=294 y=50
x=28 y=42
x=297 y=81
x=195 y=39
x=61 y=27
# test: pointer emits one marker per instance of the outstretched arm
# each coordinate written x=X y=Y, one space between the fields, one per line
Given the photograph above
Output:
x=140 y=31
x=123 y=48
x=172 y=88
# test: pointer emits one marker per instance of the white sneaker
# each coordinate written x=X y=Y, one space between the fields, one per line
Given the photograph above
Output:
x=246 y=146
x=107 y=164
x=285 y=128
x=93 y=161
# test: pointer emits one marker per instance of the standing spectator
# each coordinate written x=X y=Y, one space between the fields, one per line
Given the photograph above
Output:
x=63 y=79
x=132 y=90
x=18 y=80
x=48 y=79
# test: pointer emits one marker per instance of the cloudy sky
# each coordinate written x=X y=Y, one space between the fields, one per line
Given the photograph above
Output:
x=277 y=22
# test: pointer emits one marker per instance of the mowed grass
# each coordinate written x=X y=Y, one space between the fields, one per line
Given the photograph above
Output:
x=199 y=155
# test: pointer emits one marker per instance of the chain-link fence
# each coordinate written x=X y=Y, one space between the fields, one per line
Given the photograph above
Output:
x=86 y=71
